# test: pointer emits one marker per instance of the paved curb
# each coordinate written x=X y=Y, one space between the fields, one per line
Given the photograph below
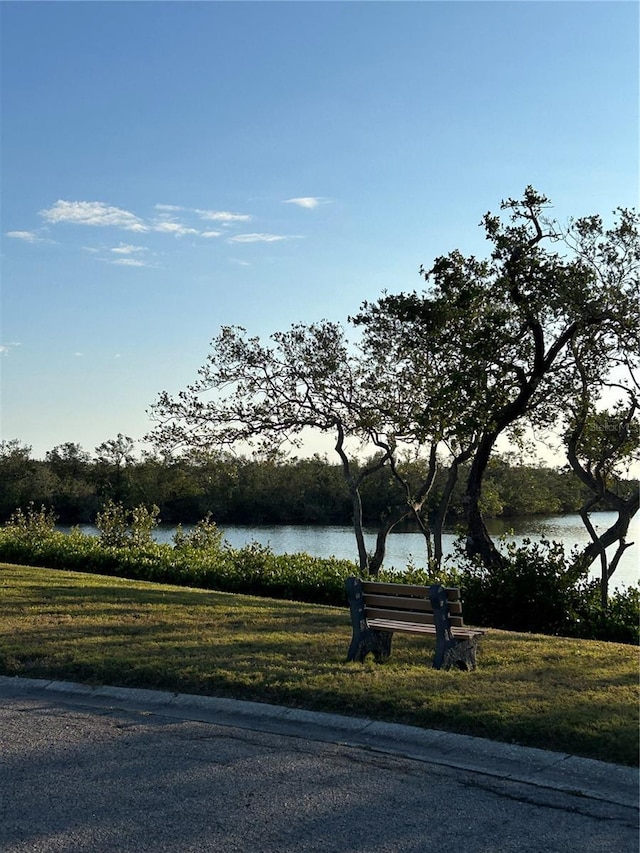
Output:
x=582 y=777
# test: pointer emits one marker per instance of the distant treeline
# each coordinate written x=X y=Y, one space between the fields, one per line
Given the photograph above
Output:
x=237 y=490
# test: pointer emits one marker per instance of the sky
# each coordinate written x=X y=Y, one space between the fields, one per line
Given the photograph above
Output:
x=168 y=168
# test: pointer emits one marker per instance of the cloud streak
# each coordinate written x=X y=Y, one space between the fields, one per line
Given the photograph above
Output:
x=259 y=238
x=309 y=202
x=129 y=262
x=93 y=213
x=175 y=228
x=99 y=214
x=26 y=236
x=169 y=219
x=127 y=249
x=223 y=216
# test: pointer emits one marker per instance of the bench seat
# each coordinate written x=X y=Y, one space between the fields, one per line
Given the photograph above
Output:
x=416 y=628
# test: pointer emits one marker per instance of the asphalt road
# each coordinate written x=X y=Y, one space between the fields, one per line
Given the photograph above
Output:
x=109 y=770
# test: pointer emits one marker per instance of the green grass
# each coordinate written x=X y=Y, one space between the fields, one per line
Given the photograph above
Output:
x=578 y=696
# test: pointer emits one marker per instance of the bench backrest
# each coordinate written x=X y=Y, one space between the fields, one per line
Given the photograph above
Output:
x=401 y=602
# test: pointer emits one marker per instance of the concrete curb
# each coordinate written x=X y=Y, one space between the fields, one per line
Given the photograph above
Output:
x=569 y=774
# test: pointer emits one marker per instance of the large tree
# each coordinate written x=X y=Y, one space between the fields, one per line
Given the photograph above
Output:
x=265 y=396
x=506 y=330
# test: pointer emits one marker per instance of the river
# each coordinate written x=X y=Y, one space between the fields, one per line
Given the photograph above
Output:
x=403 y=547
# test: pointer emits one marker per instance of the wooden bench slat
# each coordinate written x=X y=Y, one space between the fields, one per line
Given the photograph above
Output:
x=398 y=602
x=374 y=587
x=406 y=627
x=408 y=616
x=415 y=628
x=399 y=616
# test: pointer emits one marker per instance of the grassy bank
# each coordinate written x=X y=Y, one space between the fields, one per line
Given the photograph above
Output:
x=578 y=696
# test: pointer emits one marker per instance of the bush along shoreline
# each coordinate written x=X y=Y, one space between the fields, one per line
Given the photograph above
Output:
x=533 y=592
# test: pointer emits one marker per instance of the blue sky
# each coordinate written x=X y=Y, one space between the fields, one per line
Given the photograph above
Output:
x=168 y=168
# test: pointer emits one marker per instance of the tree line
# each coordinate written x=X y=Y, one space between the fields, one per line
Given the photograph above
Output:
x=76 y=485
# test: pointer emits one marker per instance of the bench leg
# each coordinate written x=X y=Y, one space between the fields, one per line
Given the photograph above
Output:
x=460 y=654
x=364 y=639
x=371 y=641
x=449 y=651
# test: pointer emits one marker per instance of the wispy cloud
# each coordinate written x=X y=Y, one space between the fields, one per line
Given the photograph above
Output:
x=126 y=249
x=309 y=201
x=27 y=236
x=175 y=228
x=259 y=238
x=94 y=213
x=99 y=214
x=223 y=216
x=165 y=221
x=129 y=262
x=5 y=349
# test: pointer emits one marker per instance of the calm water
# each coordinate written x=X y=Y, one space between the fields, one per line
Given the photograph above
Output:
x=403 y=547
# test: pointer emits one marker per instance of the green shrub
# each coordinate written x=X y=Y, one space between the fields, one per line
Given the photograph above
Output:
x=536 y=589
x=617 y=624
x=120 y=527
x=527 y=592
x=31 y=523
x=205 y=536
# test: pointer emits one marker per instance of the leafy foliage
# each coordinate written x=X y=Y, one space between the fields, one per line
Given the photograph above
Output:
x=537 y=588
x=31 y=522
x=280 y=490
x=205 y=536
x=120 y=527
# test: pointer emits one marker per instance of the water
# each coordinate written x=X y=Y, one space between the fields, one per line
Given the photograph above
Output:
x=403 y=547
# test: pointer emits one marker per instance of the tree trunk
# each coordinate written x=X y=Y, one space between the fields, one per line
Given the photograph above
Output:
x=618 y=530
x=356 y=504
x=596 y=483
x=353 y=484
x=479 y=543
x=377 y=559
x=443 y=506
x=412 y=507
x=626 y=509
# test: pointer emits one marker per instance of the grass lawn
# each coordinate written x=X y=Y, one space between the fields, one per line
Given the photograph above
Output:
x=578 y=696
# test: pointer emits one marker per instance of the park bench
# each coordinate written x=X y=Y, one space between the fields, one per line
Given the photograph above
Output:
x=380 y=609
